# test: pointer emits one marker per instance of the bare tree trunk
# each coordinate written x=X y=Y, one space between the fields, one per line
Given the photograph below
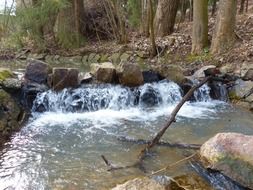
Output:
x=152 y=33
x=191 y=10
x=224 y=35
x=78 y=13
x=145 y=18
x=165 y=17
x=247 y=5
x=242 y=6
x=200 y=26
x=183 y=9
x=214 y=5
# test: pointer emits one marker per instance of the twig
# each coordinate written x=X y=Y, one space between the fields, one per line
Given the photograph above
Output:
x=173 y=165
x=172 y=119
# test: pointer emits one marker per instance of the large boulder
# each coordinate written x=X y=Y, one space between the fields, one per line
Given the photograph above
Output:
x=172 y=72
x=9 y=114
x=231 y=154
x=64 y=78
x=240 y=89
x=130 y=74
x=37 y=71
x=105 y=72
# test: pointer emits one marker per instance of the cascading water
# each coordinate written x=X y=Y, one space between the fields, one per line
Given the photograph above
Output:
x=60 y=146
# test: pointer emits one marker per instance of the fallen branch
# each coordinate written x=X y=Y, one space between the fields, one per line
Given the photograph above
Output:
x=172 y=118
x=156 y=139
x=161 y=143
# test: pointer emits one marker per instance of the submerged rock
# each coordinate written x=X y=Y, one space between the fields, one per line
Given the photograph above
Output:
x=130 y=74
x=218 y=91
x=147 y=184
x=150 y=97
x=231 y=154
x=37 y=71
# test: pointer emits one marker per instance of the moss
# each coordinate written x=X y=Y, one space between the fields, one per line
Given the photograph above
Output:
x=5 y=73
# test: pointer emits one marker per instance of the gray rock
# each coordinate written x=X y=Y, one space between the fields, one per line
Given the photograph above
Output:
x=240 y=89
x=12 y=84
x=201 y=72
x=85 y=78
x=248 y=75
x=37 y=71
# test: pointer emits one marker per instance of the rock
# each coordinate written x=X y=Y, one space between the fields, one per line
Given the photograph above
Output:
x=201 y=72
x=37 y=71
x=5 y=73
x=37 y=56
x=64 y=78
x=12 y=85
x=246 y=66
x=29 y=92
x=186 y=85
x=85 y=60
x=150 y=97
x=104 y=58
x=218 y=91
x=240 y=89
x=85 y=78
x=147 y=184
x=9 y=114
x=231 y=154
x=130 y=74
x=115 y=58
x=93 y=58
x=248 y=75
x=151 y=76
x=227 y=69
x=106 y=73
x=125 y=57
x=172 y=72
x=77 y=60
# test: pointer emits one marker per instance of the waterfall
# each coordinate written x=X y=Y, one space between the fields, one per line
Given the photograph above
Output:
x=105 y=96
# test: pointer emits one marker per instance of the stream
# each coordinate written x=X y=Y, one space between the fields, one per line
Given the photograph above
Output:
x=61 y=145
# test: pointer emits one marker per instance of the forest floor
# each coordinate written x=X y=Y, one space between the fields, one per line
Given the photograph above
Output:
x=175 y=48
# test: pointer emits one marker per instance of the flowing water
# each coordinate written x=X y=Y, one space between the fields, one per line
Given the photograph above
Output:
x=61 y=147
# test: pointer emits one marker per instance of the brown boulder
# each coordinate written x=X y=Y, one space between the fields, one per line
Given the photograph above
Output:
x=104 y=72
x=130 y=74
x=64 y=78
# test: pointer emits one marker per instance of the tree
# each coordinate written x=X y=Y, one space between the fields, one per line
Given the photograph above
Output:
x=224 y=34
x=200 y=26
x=152 y=33
x=165 y=17
x=242 y=6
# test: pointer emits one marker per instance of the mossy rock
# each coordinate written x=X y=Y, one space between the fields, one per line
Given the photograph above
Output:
x=5 y=73
x=104 y=58
x=115 y=58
